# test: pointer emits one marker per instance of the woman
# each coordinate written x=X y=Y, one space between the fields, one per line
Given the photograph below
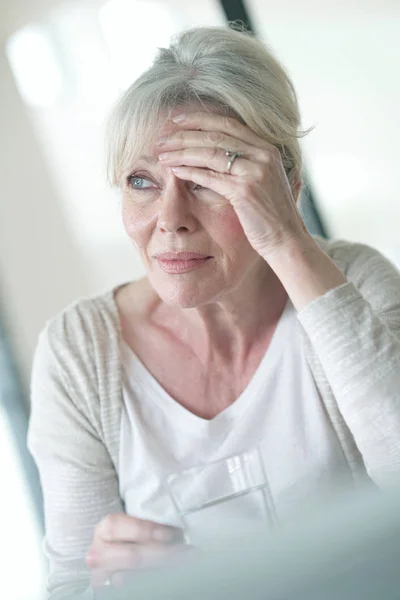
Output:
x=247 y=330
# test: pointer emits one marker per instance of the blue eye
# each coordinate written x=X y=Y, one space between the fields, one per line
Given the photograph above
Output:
x=138 y=183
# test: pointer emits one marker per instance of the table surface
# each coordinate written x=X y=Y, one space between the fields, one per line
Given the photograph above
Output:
x=350 y=550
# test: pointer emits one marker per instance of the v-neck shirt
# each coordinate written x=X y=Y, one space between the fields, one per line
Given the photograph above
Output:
x=280 y=411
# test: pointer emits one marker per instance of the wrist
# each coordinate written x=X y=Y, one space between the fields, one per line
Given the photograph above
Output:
x=305 y=270
x=291 y=252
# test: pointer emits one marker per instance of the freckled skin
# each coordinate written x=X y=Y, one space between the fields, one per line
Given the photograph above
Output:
x=173 y=216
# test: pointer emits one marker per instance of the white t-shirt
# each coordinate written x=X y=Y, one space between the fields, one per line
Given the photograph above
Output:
x=280 y=411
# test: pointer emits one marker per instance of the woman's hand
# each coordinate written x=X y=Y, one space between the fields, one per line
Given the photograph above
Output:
x=257 y=186
x=122 y=544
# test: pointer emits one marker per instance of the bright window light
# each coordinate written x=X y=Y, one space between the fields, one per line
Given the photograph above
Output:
x=34 y=65
x=342 y=177
x=133 y=30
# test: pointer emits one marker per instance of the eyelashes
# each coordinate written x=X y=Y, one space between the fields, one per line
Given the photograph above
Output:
x=133 y=182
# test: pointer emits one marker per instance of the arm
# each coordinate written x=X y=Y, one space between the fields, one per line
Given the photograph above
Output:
x=353 y=322
x=79 y=481
x=351 y=318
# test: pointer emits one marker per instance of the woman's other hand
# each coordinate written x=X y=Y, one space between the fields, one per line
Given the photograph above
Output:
x=122 y=544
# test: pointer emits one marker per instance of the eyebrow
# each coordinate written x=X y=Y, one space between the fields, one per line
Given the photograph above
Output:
x=150 y=160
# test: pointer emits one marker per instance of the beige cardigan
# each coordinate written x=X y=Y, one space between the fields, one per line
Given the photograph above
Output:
x=352 y=339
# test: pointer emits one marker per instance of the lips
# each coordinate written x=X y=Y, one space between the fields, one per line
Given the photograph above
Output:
x=181 y=262
x=180 y=256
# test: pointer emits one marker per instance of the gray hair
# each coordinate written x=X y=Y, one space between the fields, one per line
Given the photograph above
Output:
x=227 y=68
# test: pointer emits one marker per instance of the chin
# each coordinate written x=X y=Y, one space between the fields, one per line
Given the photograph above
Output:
x=182 y=294
x=183 y=300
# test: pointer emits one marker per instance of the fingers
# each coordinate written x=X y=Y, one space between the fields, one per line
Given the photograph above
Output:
x=221 y=183
x=214 y=140
x=218 y=128
x=124 y=528
x=211 y=158
x=114 y=562
x=124 y=543
x=126 y=557
x=202 y=141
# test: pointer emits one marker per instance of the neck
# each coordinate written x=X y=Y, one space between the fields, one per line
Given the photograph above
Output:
x=229 y=327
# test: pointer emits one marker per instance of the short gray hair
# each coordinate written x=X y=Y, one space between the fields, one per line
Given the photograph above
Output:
x=225 y=67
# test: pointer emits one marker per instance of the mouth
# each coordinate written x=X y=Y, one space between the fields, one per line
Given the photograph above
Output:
x=181 y=262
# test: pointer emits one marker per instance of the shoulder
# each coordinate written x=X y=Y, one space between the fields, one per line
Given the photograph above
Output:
x=75 y=384
x=346 y=252
x=85 y=320
x=80 y=345
x=354 y=257
x=374 y=275
x=84 y=338
x=76 y=368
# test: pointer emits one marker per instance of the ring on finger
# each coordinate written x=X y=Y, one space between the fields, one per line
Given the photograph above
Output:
x=232 y=157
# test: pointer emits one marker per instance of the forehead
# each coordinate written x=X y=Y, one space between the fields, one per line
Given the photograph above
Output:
x=162 y=125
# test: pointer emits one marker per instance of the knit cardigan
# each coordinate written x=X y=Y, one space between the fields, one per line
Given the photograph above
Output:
x=351 y=337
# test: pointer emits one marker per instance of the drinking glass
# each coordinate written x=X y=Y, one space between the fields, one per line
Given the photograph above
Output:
x=227 y=497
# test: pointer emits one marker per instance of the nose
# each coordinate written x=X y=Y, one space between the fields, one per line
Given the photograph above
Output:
x=175 y=214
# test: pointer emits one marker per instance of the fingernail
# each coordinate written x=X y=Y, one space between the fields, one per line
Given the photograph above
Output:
x=179 y=118
x=161 y=141
x=163 y=535
x=163 y=156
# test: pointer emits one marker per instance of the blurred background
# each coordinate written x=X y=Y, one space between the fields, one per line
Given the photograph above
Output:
x=62 y=64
